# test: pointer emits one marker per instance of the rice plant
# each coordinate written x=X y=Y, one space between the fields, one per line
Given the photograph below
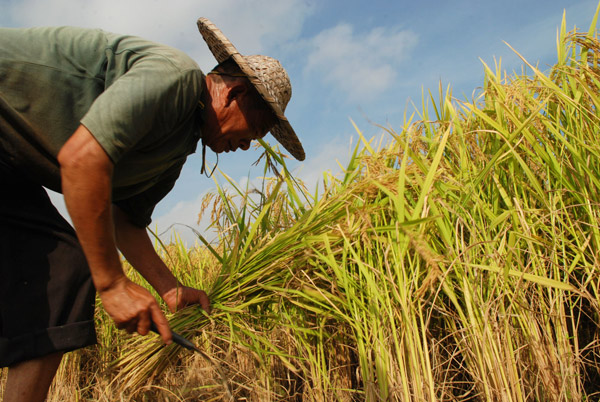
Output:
x=455 y=260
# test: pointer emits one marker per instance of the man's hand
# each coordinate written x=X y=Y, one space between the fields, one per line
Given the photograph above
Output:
x=133 y=309
x=182 y=296
x=136 y=246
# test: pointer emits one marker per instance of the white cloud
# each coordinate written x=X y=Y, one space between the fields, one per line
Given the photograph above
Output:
x=333 y=157
x=251 y=26
x=363 y=65
x=182 y=221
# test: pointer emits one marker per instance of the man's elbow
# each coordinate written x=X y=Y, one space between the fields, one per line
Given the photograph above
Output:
x=83 y=153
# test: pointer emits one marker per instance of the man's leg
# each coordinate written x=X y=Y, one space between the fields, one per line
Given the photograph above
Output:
x=46 y=293
x=30 y=380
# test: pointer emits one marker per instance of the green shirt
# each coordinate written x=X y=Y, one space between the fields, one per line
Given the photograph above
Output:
x=139 y=99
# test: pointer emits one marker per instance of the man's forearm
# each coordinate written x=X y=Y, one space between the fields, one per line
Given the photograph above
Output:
x=136 y=246
x=92 y=219
x=86 y=174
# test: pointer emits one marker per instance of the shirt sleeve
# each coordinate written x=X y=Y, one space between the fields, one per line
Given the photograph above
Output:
x=149 y=97
x=139 y=208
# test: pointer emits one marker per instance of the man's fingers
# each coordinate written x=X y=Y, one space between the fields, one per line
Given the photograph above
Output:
x=161 y=323
x=134 y=309
x=200 y=297
x=204 y=302
x=143 y=325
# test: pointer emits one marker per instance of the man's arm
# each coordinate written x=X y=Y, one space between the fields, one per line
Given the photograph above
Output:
x=136 y=246
x=86 y=173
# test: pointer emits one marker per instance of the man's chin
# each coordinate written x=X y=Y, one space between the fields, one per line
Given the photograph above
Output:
x=218 y=149
x=215 y=149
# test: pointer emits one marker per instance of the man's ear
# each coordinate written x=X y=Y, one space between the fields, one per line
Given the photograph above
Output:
x=235 y=91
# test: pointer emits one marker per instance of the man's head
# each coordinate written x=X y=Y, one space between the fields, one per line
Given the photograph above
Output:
x=235 y=112
x=265 y=76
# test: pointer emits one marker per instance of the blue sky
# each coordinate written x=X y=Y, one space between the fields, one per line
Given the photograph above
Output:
x=360 y=60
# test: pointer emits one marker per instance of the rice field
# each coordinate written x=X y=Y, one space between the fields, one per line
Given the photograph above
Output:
x=455 y=259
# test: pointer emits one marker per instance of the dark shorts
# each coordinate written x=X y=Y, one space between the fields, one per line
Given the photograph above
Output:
x=46 y=292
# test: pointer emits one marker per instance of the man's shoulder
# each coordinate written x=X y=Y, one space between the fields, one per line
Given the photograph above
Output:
x=144 y=48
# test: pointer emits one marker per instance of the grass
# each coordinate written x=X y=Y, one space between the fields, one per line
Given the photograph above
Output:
x=455 y=260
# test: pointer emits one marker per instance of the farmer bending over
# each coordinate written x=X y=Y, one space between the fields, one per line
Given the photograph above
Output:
x=108 y=120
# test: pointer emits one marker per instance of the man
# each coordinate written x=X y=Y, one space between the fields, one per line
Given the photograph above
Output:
x=108 y=120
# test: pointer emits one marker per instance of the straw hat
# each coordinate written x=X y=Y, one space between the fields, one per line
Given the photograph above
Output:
x=268 y=77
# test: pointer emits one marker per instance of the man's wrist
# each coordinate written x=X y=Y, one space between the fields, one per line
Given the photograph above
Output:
x=170 y=290
x=109 y=282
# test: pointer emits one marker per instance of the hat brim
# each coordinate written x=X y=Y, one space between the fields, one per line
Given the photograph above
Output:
x=222 y=49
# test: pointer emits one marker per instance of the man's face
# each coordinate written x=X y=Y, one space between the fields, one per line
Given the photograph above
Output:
x=226 y=128
x=230 y=133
